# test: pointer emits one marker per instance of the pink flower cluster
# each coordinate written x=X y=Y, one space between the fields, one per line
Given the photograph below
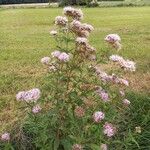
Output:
x=110 y=78
x=114 y=40
x=126 y=64
x=81 y=30
x=74 y=13
x=109 y=129
x=5 y=136
x=36 y=109
x=45 y=60
x=62 y=56
x=116 y=58
x=81 y=40
x=61 y=21
x=77 y=147
x=103 y=94
x=98 y=116
x=84 y=49
x=29 y=96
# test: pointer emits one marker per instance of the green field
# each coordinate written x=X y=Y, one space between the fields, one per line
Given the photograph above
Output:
x=25 y=39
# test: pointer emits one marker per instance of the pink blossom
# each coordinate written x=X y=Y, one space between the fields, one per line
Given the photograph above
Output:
x=98 y=116
x=128 y=65
x=123 y=81
x=81 y=40
x=104 y=96
x=77 y=147
x=112 y=38
x=103 y=147
x=109 y=129
x=116 y=58
x=64 y=57
x=126 y=102
x=55 y=53
x=20 y=95
x=29 y=96
x=5 y=136
x=36 y=109
x=61 y=21
x=87 y=27
x=45 y=60
x=74 y=13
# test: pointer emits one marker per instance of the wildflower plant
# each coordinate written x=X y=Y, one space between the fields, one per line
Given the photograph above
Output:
x=81 y=107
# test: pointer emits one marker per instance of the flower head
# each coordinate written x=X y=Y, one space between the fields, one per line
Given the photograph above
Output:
x=116 y=58
x=98 y=116
x=5 y=136
x=45 y=60
x=36 y=109
x=104 y=96
x=74 y=13
x=87 y=27
x=112 y=38
x=138 y=129
x=53 y=32
x=81 y=40
x=55 y=53
x=128 y=65
x=109 y=129
x=64 y=57
x=29 y=96
x=124 y=82
x=61 y=21
x=126 y=102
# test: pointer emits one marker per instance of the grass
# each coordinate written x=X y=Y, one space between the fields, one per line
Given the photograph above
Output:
x=124 y=3
x=25 y=39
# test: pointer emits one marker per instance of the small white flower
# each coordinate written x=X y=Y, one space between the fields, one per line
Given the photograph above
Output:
x=126 y=102
x=53 y=32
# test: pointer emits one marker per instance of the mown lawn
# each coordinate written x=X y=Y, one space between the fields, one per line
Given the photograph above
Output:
x=25 y=39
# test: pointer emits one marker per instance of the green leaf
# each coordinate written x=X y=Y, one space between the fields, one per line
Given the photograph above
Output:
x=56 y=144
x=95 y=147
x=66 y=144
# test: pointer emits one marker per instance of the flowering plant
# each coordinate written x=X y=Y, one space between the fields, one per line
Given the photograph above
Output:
x=81 y=103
